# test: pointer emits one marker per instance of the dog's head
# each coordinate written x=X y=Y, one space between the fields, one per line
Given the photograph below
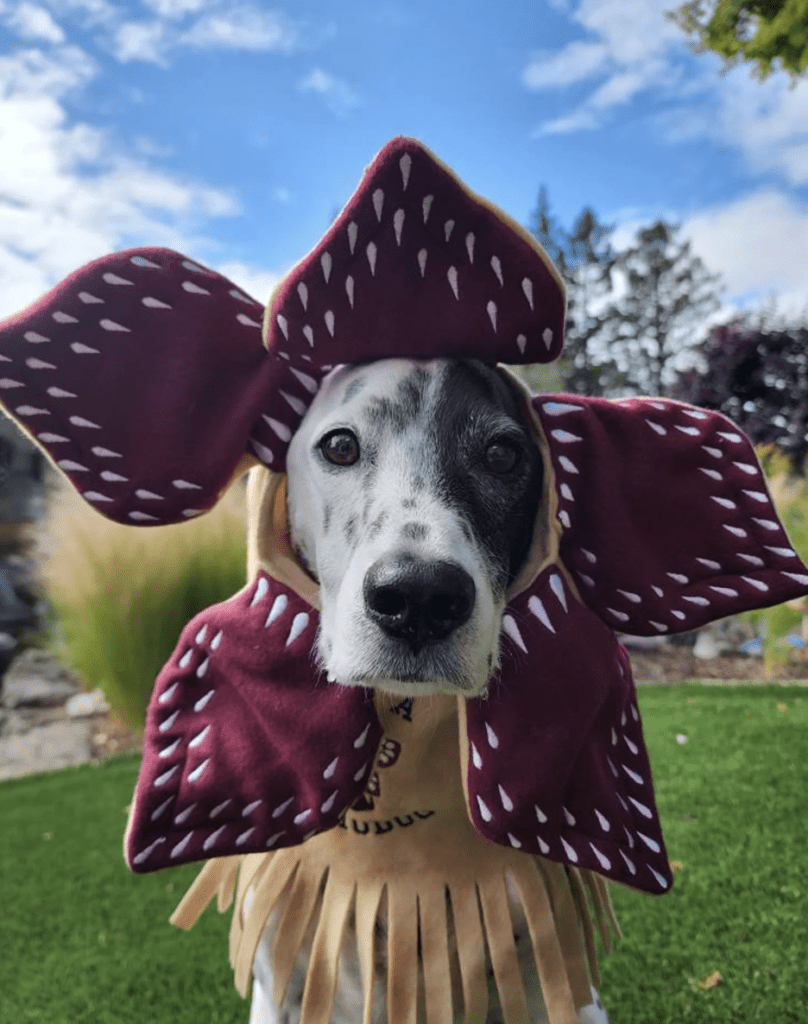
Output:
x=413 y=491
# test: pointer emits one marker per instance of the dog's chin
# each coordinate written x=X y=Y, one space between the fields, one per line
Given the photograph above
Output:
x=416 y=687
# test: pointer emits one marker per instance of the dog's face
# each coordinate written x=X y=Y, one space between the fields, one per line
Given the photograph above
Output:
x=413 y=489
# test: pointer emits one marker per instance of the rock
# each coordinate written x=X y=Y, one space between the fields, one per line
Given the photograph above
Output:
x=83 y=705
x=45 y=748
x=707 y=647
x=36 y=679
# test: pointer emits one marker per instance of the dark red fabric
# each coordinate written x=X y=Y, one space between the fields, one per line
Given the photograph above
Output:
x=247 y=747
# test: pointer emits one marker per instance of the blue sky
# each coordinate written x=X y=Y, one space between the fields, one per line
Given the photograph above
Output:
x=234 y=130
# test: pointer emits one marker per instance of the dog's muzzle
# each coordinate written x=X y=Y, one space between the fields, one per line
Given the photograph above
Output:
x=417 y=601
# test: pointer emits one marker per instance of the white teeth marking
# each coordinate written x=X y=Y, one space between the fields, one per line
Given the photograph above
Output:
x=730 y=437
x=329 y=321
x=491 y=736
x=203 y=701
x=723 y=502
x=448 y=227
x=570 y=820
x=612 y=768
x=398 y=224
x=371 y=254
x=542 y=845
x=198 y=771
x=713 y=474
x=573 y=856
x=247 y=321
x=329 y=803
x=250 y=808
x=632 y=775
x=701 y=601
x=95 y=496
x=211 y=840
x=190 y=265
x=83 y=350
x=112 y=325
x=325 y=263
x=145 y=853
x=242 y=839
x=470 y=246
x=217 y=810
x=603 y=821
x=349 y=289
x=650 y=843
x=557 y=587
x=542 y=817
x=199 y=737
x=644 y=811
x=200 y=636
x=709 y=564
x=538 y=609
x=657 y=427
x=105 y=453
x=308 y=334
x=629 y=837
x=496 y=266
x=360 y=739
x=303 y=294
x=161 y=780
x=260 y=591
x=7 y=383
x=565 y=519
x=798 y=577
x=592 y=559
x=353 y=231
x=236 y=294
x=422 y=255
x=614 y=738
x=485 y=814
x=757 y=584
x=143 y=517
x=283 y=432
x=521 y=342
x=203 y=668
x=527 y=288
x=695 y=414
x=328 y=773
x=166 y=724
x=631 y=746
x=405 y=163
x=514 y=842
x=152 y=303
x=378 y=203
x=273 y=839
x=34 y=338
x=678 y=577
x=284 y=326
x=451 y=274
x=214 y=644
x=358 y=775
x=158 y=812
x=567 y=464
x=294 y=403
x=565 y=437
x=190 y=286
x=63 y=318
x=767 y=524
x=79 y=421
x=746 y=468
x=620 y=616
x=725 y=591
x=635 y=598
x=169 y=750
x=300 y=818
x=510 y=627
x=662 y=881
x=678 y=615
x=299 y=623
x=784 y=552
x=547 y=337
x=752 y=560
x=39 y=364
x=757 y=496
x=507 y=803
x=476 y=760
x=309 y=383
x=426 y=206
x=491 y=309
x=715 y=452
x=659 y=405
x=166 y=695
x=185 y=660
x=560 y=408
x=604 y=862
x=68 y=464
x=735 y=530
x=691 y=431
x=282 y=807
x=87 y=298
x=629 y=863
x=111 y=278
x=278 y=608
x=145 y=495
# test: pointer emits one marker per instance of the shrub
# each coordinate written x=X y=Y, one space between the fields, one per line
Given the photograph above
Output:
x=121 y=595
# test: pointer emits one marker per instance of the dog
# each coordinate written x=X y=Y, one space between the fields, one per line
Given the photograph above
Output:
x=413 y=492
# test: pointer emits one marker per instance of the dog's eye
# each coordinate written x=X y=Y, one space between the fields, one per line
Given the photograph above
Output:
x=340 y=447
x=501 y=457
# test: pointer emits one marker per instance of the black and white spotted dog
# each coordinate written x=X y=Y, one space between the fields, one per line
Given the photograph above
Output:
x=413 y=490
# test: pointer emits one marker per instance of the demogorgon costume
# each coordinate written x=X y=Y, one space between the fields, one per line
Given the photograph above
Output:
x=145 y=378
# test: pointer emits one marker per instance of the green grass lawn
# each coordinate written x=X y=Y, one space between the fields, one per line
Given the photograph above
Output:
x=83 y=941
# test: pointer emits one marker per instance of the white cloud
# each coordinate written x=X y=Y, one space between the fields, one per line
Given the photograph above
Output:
x=243 y=28
x=68 y=196
x=33 y=22
x=257 y=283
x=576 y=62
x=139 y=40
x=176 y=8
x=338 y=95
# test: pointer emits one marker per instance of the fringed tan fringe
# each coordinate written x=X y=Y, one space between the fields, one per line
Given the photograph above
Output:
x=470 y=951
x=321 y=981
x=502 y=949
x=569 y=915
x=216 y=877
x=402 y=953
x=433 y=929
x=368 y=900
x=293 y=926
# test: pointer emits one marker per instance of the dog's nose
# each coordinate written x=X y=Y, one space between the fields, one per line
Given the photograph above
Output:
x=418 y=601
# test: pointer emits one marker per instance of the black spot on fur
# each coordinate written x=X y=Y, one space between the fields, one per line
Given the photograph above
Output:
x=415 y=531
x=326 y=518
x=408 y=503
x=417 y=482
x=350 y=530
x=377 y=524
x=353 y=389
x=402 y=410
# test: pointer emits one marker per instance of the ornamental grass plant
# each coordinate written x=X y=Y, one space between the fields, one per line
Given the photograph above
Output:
x=121 y=595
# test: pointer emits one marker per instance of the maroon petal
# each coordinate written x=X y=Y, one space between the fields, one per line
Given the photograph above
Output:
x=667 y=520
x=557 y=762
x=143 y=375
x=418 y=266
x=248 y=748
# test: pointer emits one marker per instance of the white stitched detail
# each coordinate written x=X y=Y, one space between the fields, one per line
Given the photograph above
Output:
x=644 y=811
x=604 y=861
x=260 y=591
x=198 y=772
x=485 y=814
x=328 y=773
x=491 y=736
x=278 y=608
x=573 y=856
x=211 y=840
